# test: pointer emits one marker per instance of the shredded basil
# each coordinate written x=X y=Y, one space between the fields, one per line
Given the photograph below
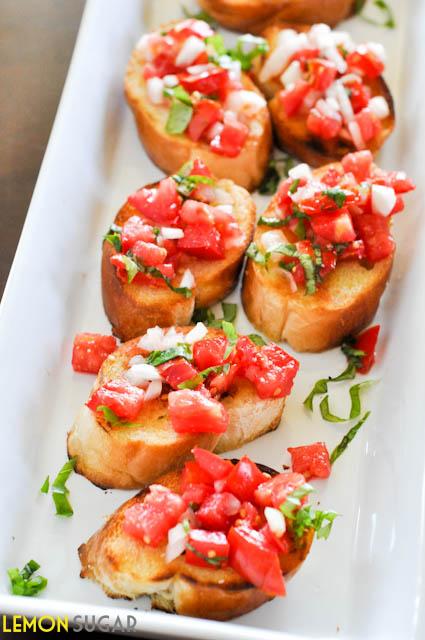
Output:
x=133 y=266
x=114 y=237
x=321 y=386
x=231 y=335
x=180 y=114
x=111 y=417
x=60 y=491
x=289 y=250
x=217 y=43
x=275 y=223
x=294 y=185
x=45 y=486
x=187 y=184
x=155 y=358
x=215 y=562
x=194 y=382
x=293 y=500
x=388 y=20
x=24 y=583
x=200 y=15
x=341 y=447
x=277 y=169
x=248 y=48
x=257 y=339
x=335 y=194
x=306 y=519
x=207 y=316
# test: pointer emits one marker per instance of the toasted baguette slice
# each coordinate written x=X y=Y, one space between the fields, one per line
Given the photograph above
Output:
x=132 y=308
x=131 y=457
x=255 y=15
x=344 y=303
x=124 y=568
x=292 y=133
x=170 y=152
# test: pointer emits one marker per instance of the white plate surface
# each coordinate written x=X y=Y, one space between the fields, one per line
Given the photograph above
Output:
x=366 y=581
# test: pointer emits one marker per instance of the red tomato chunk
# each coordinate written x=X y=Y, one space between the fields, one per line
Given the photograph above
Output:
x=366 y=342
x=194 y=412
x=311 y=460
x=123 y=398
x=210 y=549
x=91 y=350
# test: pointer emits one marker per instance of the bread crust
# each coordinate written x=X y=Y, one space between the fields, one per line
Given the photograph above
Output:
x=132 y=308
x=255 y=15
x=344 y=304
x=292 y=133
x=131 y=457
x=124 y=568
x=170 y=152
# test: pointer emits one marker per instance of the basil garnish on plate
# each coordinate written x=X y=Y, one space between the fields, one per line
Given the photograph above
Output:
x=60 y=491
x=349 y=436
x=24 y=583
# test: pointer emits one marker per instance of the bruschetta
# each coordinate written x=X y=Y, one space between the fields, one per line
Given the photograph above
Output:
x=174 y=246
x=327 y=96
x=323 y=252
x=256 y=15
x=191 y=100
x=158 y=396
x=214 y=541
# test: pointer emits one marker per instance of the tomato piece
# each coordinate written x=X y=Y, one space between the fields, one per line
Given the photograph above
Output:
x=311 y=460
x=210 y=81
x=332 y=177
x=292 y=99
x=205 y=113
x=90 y=350
x=135 y=229
x=304 y=54
x=353 y=250
x=211 y=463
x=366 y=341
x=397 y=180
x=359 y=164
x=203 y=241
x=231 y=140
x=323 y=126
x=369 y=123
x=360 y=95
x=123 y=398
x=323 y=73
x=374 y=230
x=244 y=479
x=150 y=520
x=195 y=494
x=221 y=382
x=209 y=352
x=167 y=271
x=252 y=557
x=329 y=259
x=195 y=213
x=249 y=514
x=274 y=492
x=210 y=549
x=176 y=371
x=281 y=545
x=193 y=473
x=335 y=227
x=199 y=168
x=150 y=254
x=161 y=204
x=217 y=511
x=191 y=27
x=363 y=60
x=271 y=370
x=194 y=412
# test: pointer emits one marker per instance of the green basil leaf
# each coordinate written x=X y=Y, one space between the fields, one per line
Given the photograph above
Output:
x=45 y=486
x=336 y=195
x=247 y=48
x=215 y=562
x=131 y=267
x=321 y=386
x=179 y=94
x=187 y=184
x=257 y=339
x=217 y=43
x=277 y=169
x=24 y=583
x=230 y=310
x=114 y=237
x=293 y=500
x=194 y=382
x=355 y=390
x=156 y=358
x=200 y=15
x=323 y=530
x=388 y=20
x=326 y=414
x=353 y=355
x=114 y=420
x=204 y=315
x=60 y=491
x=207 y=316
x=255 y=254
x=294 y=185
x=275 y=223
x=231 y=335
x=341 y=447
x=309 y=272
x=179 y=117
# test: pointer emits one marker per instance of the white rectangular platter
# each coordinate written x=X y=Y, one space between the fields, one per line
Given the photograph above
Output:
x=368 y=579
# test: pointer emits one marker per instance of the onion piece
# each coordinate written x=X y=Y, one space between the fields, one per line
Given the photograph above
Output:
x=291 y=280
x=139 y=374
x=356 y=135
x=233 y=505
x=221 y=196
x=300 y=171
x=136 y=360
x=153 y=340
x=154 y=390
x=248 y=102
x=188 y=279
x=190 y=50
x=176 y=542
x=155 y=90
x=198 y=332
x=170 y=80
x=271 y=239
x=276 y=521
x=383 y=199
x=379 y=106
x=172 y=233
x=292 y=74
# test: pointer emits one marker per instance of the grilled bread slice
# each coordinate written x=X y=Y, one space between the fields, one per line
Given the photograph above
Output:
x=344 y=303
x=132 y=307
x=292 y=133
x=255 y=15
x=131 y=457
x=125 y=568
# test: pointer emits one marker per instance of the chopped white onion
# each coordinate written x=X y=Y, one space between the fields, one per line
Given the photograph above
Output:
x=155 y=90
x=332 y=54
x=221 y=196
x=154 y=390
x=176 y=542
x=356 y=134
x=144 y=47
x=227 y=208
x=378 y=50
x=288 y=43
x=292 y=74
x=341 y=96
x=256 y=129
x=326 y=108
x=198 y=332
x=219 y=485
x=379 y=106
x=249 y=102
x=276 y=521
x=291 y=280
x=232 y=505
x=320 y=36
x=214 y=130
x=383 y=199
x=139 y=374
x=172 y=233
x=197 y=69
x=172 y=338
x=170 y=80
x=136 y=360
x=153 y=339
x=343 y=39
x=190 y=50
x=300 y=171
x=188 y=279
x=270 y=239
x=350 y=78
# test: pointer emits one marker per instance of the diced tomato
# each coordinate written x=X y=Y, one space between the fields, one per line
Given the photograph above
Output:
x=366 y=341
x=292 y=99
x=90 y=350
x=331 y=177
x=121 y=270
x=195 y=213
x=167 y=271
x=363 y=60
x=160 y=204
x=211 y=463
x=359 y=164
x=329 y=259
x=194 y=412
x=212 y=80
x=353 y=250
x=249 y=514
x=252 y=558
x=304 y=54
x=221 y=382
x=217 y=511
x=211 y=549
x=323 y=126
x=191 y=27
x=323 y=73
x=311 y=460
x=231 y=140
x=205 y=113
x=135 y=229
x=397 y=180
x=209 y=352
x=270 y=369
x=150 y=254
x=274 y=492
x=375 y=232
x=335 y=227
x=123 y=398
x=360 y=95
x=150 y=520
x=203 y=241
x=369 y=123
x=244 y=479
x=195 y=494
x=176 y=371
x=281 y=545
x=199 y=168
x=193 y=473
